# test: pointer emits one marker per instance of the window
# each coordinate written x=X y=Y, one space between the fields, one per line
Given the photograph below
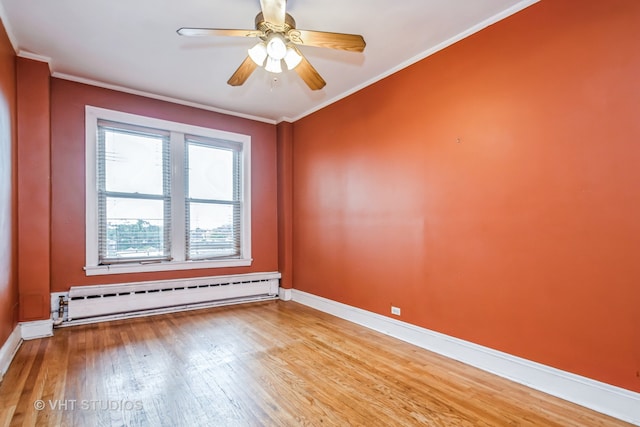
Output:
x=134 y=197
x=164 y=196
x=213 y=205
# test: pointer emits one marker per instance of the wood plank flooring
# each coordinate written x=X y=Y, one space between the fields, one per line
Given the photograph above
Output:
x=266 y=364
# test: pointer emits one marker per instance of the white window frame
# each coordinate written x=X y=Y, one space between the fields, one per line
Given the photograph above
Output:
x=178 y=130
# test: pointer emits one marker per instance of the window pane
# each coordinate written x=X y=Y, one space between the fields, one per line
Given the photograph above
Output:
x=134 y=228
x=211 y=230
x=210 y=172
x=133 y=163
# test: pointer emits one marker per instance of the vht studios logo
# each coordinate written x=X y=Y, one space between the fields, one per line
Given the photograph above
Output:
x=87 y=405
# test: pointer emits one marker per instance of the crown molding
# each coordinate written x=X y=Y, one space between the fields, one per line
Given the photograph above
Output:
x=131 y=91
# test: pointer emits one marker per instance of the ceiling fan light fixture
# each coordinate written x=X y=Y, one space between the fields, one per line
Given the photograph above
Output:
x=276 y=47
x=273 y=65
x=278 y=43
x=292 y=58
x=258 y=54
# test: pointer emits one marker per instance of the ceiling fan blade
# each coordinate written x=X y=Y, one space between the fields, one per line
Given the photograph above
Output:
x=218 y=32
x=243 y=72
x=350 y=42
x=273 y=11
x=310 y=75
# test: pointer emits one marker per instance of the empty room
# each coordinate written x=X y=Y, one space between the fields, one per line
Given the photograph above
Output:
x=284 y=213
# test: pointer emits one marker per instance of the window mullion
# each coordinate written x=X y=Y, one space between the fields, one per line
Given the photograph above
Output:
x=178 y=196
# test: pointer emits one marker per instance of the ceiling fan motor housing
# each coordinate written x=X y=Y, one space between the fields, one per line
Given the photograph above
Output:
x=267 y=27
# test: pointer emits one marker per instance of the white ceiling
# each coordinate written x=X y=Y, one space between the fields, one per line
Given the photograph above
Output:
x=132 y=45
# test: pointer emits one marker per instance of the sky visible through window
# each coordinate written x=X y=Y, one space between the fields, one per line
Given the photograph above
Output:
x=134 y=165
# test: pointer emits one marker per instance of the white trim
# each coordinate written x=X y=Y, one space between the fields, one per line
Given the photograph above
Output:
x=131 y=91
x=35 y=57
x=91 y=187
x=7 y=27
x=92 y=114
x=607 y=399
x=36 y=329
x=178 y=213
x=95 y=113
x=14 y=41
x=9 y=350
x=93 y=270
x=285 y=294
x=474 y=29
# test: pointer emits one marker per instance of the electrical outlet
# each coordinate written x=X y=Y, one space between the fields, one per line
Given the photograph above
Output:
x=395 y=310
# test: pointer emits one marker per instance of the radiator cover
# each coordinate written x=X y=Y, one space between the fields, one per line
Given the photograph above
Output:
x=105 y=300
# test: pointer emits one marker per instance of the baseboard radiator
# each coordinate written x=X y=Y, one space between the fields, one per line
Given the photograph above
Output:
x=88 y=304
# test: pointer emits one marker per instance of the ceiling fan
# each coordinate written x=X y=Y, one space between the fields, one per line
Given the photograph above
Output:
x=279 y=38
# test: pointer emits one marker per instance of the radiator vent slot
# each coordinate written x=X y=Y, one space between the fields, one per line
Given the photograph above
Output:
x=120 y=300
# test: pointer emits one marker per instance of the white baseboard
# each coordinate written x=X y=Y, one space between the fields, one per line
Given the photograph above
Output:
x=36 y=329
x=23 y=331
x=285 y=294
x=601 y=397
x=9 y=349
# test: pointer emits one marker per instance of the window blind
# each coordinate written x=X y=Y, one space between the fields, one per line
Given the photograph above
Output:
x=213 y=202
x=134 y=197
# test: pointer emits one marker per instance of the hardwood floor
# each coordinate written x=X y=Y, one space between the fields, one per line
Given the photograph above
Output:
x=272 y=363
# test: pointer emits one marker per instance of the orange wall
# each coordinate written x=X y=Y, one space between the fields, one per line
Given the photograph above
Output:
x=34 y=189
x=68 y=100
x=285 y=203
x=8 y=227
x=490 y=191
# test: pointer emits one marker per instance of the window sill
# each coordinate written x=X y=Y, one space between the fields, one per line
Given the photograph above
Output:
x=98 y=270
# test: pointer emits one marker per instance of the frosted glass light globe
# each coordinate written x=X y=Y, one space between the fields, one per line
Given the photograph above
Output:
x=276 y=47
